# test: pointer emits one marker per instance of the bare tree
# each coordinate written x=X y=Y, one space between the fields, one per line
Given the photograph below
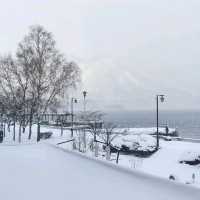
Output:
x=105 y=132
x=50 y=74
x=36 y=79
x=108 y=135
x=13 y=89
x=94 y=121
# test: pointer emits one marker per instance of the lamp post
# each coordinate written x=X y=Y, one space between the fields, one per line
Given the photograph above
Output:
x=73 y=100
x=84 y=102
x=161 y=97
x=84 y=113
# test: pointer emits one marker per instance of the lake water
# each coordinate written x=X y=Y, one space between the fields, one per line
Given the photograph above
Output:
x=187 y=122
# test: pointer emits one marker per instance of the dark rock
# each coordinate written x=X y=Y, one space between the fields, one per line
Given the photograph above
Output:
x=191 y=162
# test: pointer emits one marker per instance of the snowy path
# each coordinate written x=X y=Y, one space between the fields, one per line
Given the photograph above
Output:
x=30 y=172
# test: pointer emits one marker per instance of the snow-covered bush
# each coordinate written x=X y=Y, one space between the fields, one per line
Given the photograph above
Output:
x=135 y=143
x=190 y=157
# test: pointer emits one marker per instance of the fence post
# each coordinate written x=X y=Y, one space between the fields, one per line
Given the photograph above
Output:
x=117 y=160
x=61 y=128
x=96 y=149
x=107 y=152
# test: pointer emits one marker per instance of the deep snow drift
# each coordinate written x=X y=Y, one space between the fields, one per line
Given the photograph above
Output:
x=40 y=171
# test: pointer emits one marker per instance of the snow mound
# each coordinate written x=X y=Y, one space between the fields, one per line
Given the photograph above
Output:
x=141 y=142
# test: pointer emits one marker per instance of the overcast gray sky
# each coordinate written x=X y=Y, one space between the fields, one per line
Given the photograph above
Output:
x=128 y=50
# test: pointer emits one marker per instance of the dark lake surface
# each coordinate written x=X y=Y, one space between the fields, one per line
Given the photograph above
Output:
x=187 y=122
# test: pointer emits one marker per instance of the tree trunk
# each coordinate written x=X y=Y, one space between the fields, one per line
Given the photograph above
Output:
x=38 y=130
x=20 y=132
x=61 y=129
x=23 y=124
x=4 y=129
x=14 y=130
x=30 y=126
x=8 y=126
x=30 y=130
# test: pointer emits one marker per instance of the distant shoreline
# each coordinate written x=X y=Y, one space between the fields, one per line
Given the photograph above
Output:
x=187 y=122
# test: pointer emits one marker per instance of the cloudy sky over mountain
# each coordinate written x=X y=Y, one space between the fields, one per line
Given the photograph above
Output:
x=128 y=50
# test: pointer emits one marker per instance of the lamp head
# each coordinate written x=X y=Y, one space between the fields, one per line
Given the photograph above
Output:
x=162 y=98
x=84 y=94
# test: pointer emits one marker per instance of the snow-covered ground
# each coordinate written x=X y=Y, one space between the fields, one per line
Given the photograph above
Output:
x=165 y=162
x=40 y=171
x=161 y=164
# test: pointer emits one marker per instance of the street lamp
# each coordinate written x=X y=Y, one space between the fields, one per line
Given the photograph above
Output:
x=84 y=113
x=84 y=103
x=161 y=97
x=73 y=100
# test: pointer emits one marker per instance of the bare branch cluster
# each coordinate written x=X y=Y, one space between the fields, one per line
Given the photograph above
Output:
x=36 y=78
